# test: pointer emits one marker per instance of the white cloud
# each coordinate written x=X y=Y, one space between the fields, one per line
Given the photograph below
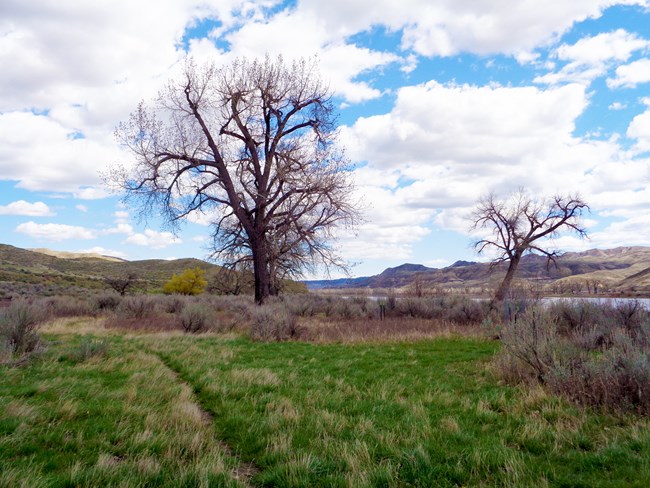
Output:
x=632 y=231
x=82 y=208
x=489 y=139
x=55 y=232
x=447 y=27
x=36 y=151
x=639 y=129
x=121 y=216
x=483 y=130
x=592 y=56
x=617 y=106
x=21 y=207
x=153 y=239
x=120 y=228
x=631 y=75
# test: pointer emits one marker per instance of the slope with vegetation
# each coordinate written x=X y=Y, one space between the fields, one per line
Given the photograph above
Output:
x=31 y=272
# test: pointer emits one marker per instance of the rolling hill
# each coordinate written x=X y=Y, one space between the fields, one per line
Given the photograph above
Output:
x=623 y=270
x=52 y=272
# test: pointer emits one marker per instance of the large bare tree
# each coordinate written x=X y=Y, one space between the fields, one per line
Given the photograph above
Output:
x=252 y=146
x=519 y=224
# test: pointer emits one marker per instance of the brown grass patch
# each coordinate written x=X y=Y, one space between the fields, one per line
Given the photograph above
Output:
x=76 y=325
x=150 y=323
x=390 y=329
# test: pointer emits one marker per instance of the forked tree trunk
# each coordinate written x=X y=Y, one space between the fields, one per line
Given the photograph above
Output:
x=504 y=287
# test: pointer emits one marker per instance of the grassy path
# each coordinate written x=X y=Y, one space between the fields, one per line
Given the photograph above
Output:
x=243 y=471
x=170 y=410
x=116 y=421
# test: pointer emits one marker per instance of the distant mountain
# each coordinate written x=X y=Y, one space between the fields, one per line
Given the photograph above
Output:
x=75 y=255
x=623 y=269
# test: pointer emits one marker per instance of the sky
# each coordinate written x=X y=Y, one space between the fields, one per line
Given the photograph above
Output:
x=440 y=102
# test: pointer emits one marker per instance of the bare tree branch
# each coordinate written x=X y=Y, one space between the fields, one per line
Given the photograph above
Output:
x=518 y=224
x=254 y=146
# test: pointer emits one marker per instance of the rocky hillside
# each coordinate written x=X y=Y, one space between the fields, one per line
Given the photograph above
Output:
x=619 y=270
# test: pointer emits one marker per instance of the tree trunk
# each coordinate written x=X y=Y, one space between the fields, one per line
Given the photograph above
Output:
x=504 y=287
x=261 y=271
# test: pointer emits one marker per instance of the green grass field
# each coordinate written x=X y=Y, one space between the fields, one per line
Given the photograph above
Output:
x=174 y=410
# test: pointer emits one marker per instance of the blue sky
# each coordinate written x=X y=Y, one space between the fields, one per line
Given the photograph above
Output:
x=439 y=103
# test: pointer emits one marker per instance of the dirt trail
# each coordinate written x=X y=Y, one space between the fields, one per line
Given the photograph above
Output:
x=243 y=471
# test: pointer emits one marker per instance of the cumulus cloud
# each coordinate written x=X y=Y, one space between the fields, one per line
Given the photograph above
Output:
x=153 y=239
x=592 y=56
x=21 y=207
x=617 y=106
x=490 y=138
x=639 y=129
x=37 y=152
x=631 y=75
x=84 y=82
x=448 y=27
x=55 y=232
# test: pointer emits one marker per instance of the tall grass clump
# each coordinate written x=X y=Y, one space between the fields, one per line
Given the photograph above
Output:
x=596 y=355
x=19 y=325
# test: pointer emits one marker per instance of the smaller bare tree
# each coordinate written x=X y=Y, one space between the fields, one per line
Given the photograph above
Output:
x=122 y=284
x=519 y=224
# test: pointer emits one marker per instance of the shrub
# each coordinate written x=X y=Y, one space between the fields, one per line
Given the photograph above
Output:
x=530 y=341
x=107 y=301
x=596 y=355
x=172 y=304
x=135 y=307
x=19 y=325
x=67 y=306
x=464 y=310
x=195 y=318
x=189 y=282
x=273 y=323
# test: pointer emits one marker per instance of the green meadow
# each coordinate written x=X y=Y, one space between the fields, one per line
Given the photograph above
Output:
x=105 y=408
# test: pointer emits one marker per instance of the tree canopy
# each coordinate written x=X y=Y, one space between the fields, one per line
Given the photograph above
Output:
x=189 y=282
x=251 y=148
x=520 y=223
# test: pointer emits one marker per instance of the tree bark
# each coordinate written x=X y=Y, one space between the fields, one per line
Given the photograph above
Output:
x=261 y=271
x=504 y=287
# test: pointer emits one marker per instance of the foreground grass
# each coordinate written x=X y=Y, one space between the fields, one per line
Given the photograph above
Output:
x=119 y=419
x=424 y=413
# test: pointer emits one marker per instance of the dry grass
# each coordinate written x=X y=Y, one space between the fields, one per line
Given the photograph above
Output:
x=77 y=325
x=392 y=329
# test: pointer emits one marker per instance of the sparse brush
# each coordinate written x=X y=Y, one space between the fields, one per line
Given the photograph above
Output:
x=195 y=318
x=172 y=304
x=273 y=323
x=135 y=307
x=68 y=306
x=596 y=355
x=19 y=325
x=107 y=301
